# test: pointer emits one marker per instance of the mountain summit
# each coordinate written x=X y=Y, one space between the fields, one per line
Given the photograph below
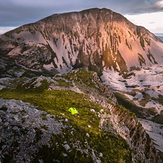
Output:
x=94 y=38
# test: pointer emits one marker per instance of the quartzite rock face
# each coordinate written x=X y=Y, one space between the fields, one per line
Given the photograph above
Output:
x=93 y=38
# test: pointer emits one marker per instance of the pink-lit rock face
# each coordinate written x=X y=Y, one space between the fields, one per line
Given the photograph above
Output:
x=94 y=38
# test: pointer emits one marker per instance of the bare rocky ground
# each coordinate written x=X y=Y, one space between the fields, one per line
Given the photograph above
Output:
x=24 y=129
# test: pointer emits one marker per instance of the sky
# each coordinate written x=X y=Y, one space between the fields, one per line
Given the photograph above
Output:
x=14 y=13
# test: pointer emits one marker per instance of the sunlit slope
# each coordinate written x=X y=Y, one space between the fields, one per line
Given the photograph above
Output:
x=92 y=38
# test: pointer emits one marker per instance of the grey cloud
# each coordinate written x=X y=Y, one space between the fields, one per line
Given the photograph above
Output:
x=13 y=13
x=158 y=5
x=146 y=6
x=19 y=12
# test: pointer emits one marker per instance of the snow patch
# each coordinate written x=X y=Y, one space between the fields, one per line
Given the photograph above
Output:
x=49 y=66
x=155 y=132
x=147 y=80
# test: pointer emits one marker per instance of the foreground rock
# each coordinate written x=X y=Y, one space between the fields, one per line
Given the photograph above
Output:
x=23 y=130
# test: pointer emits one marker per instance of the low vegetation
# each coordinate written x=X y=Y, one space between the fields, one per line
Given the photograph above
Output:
x=87 y=138
x=130 y=105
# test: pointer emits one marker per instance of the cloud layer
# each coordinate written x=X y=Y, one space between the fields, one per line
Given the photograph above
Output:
x=14 y=13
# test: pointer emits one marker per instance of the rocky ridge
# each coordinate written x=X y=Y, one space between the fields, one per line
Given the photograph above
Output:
x=19 y=118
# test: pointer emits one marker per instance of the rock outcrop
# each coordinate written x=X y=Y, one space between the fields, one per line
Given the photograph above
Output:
x=23 y=130
x=135 y=135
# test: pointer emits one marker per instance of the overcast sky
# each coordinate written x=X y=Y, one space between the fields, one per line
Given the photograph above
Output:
x=14 y=13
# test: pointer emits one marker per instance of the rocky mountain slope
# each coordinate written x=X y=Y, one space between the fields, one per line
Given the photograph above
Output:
x=94 y=38
x=102 y=131
x=39 y=64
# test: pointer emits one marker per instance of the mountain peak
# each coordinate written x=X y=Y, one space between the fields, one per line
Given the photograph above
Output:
x=93 y=38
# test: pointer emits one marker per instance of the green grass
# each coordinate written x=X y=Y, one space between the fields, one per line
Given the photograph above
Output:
x=84 y=80
x=57 y=102
x=83 y=76
x=63 y=83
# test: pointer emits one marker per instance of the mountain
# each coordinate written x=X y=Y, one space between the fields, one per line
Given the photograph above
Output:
x=94 y=38
x=96 y=61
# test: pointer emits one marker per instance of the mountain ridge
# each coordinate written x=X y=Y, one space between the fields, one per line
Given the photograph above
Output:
x=92 y=38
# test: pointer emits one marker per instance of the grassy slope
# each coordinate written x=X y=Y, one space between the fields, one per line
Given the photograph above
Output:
x=57 y=102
